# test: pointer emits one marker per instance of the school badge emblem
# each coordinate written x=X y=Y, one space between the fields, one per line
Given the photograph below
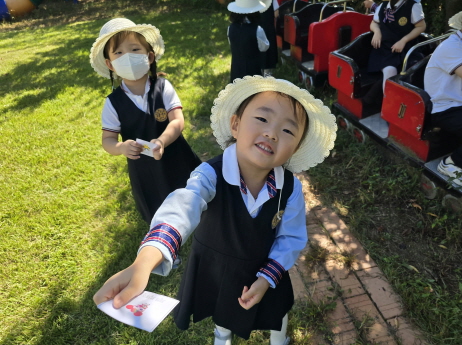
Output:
x=160 y=115
x=402 y=21
x=276 y=219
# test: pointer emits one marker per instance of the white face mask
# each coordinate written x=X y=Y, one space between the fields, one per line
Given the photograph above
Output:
x=131 y=66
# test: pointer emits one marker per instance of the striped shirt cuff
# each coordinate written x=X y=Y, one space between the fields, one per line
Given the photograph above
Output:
x=273 y=270
x=166 y=235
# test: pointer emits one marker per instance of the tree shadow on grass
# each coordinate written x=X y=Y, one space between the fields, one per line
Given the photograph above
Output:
x=61 y=317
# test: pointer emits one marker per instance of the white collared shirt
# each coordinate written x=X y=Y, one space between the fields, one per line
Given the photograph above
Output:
x=110 y=119
x=416 y=16
x=440 y=80
x=232 y=175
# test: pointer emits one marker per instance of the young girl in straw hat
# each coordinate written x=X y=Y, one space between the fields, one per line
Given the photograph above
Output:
x=142 y=107
x=246 y=38
x=247 y=210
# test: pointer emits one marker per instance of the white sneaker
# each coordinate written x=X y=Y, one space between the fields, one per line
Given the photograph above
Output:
x=447 y=167
x=222 y=340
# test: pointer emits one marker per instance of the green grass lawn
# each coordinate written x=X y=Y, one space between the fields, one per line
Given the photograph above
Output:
x=67 y=218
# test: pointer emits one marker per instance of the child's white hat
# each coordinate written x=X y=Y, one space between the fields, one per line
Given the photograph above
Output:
x=455 y=21
x=247 y=6
x=150 y=32
x=322 y=126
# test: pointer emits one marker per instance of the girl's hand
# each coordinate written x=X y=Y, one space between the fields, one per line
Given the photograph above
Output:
x=376 y=40
x=131 y=149
x=398 y=47
x=252 y=296
x=158 y=151
x=129 y=283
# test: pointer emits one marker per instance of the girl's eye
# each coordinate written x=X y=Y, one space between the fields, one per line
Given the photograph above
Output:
x=288 y=131
x=262 y=119
x=136 y=49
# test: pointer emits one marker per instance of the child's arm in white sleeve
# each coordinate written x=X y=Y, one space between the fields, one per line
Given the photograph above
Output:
x=179 y=215
x=291 y=238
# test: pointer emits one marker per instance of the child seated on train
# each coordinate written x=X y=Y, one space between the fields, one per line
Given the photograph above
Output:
x=396 y=25
x=443 y=82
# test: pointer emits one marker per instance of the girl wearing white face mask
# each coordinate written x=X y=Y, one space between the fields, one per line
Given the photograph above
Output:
x=142 y=107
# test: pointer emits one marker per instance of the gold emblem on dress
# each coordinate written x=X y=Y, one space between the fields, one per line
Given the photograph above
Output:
x=402 y=21
x=276 y=219
x=160 y=115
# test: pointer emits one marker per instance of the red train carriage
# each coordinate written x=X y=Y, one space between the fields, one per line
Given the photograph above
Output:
x=402 y=123
x=316 y=30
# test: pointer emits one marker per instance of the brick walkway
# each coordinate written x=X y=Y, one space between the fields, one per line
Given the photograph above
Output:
x=366 y=298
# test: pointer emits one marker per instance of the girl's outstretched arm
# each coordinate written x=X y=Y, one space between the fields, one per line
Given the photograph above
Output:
x=129 y=283
x=377 y=38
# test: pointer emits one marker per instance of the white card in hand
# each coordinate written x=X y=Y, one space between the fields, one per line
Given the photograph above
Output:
x=147 y=147
x=145 y=311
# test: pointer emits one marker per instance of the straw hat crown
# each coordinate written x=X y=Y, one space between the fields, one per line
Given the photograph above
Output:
x=248 y=6
x=112 y=27
x=456 y=21
x=322 y=126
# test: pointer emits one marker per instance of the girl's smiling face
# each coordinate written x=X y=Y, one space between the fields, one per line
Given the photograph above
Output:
x=268 y=132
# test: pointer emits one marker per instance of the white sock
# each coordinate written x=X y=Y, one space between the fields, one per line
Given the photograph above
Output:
x=223 y=336
x=279 y=337
x=448 y=160
x=388 y=72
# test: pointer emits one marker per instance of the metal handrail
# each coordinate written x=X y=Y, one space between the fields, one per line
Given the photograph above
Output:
x=295 y=2
x=439 y=38
x=333 y=2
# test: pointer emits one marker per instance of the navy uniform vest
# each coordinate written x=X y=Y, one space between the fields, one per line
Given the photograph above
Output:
x=152 y=180
x=229 y=247
x=392 y=32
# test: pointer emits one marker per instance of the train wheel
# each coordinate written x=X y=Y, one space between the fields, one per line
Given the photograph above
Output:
x=359 y=135
x=308 y=82
x=343 y=123
x=428 y=187
x=301 y=77
x=451 y=202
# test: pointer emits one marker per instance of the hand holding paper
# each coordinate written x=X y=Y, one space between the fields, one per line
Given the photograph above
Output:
x=148 y=147
x=145 y=311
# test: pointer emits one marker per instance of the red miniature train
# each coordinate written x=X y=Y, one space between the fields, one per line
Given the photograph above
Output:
x=328 y=43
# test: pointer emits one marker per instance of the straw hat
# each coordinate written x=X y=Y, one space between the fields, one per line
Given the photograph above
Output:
x=151 y=33
x=322 y=125
x=456 y=21
x=247 y=6
x=267 y=5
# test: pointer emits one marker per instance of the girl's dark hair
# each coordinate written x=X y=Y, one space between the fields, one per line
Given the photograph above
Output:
x=299 y=111
x=239 y=18
x=118 y=38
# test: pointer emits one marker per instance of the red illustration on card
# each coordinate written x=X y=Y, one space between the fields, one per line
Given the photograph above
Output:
x=137 y=310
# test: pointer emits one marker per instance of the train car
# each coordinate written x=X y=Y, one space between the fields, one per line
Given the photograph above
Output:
x=401 y=121
x=315 y=30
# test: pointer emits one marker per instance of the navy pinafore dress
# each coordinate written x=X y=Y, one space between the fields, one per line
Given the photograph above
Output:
x=392 y=32
x=152 y=180
x=229 y=247
x=270 y=57
x=245 y=56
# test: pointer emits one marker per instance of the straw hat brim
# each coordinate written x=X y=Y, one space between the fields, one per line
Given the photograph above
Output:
x=322 y=124
x=455 y=21
x=150 y=33
x=233 y=7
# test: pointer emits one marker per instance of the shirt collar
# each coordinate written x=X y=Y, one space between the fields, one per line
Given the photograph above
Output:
x=231 y=173
x=398 y=4
x=127 y=90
